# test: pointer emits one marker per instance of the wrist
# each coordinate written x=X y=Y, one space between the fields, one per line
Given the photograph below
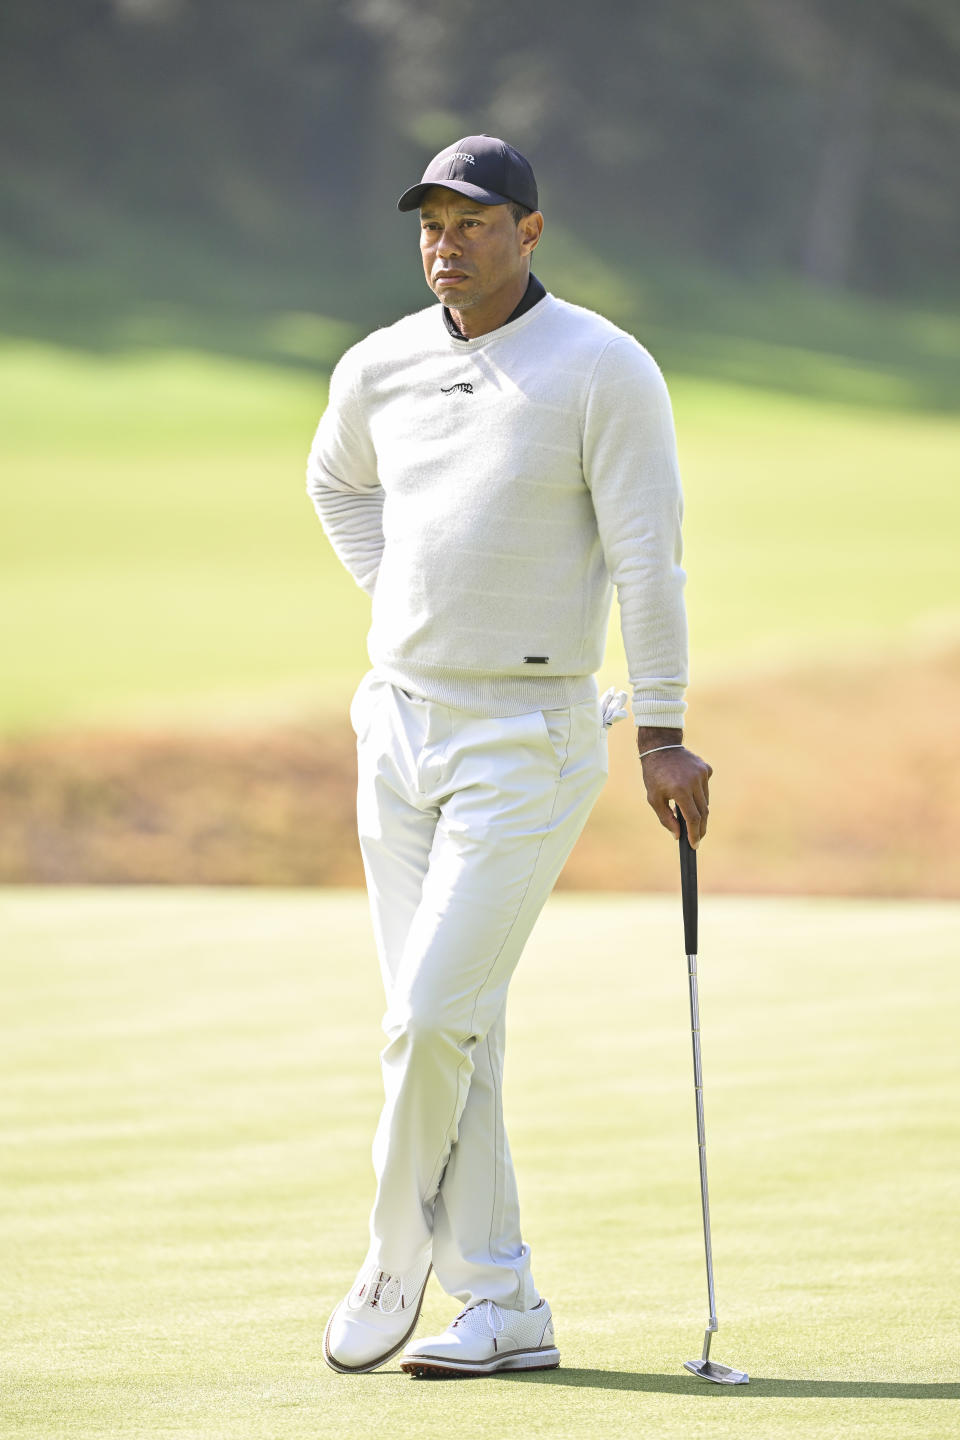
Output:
x=651 y=737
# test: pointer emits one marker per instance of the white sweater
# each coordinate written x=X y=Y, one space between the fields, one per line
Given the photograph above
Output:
x=489 y=493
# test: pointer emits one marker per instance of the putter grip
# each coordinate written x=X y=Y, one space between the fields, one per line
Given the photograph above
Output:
x=688 y=888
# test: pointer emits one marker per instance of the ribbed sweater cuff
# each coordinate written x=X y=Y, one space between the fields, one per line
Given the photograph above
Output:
x=655 y=710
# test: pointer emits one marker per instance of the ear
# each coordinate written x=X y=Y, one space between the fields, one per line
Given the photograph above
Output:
x=531 y=228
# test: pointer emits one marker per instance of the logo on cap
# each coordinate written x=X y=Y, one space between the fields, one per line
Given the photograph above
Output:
x=462 y=155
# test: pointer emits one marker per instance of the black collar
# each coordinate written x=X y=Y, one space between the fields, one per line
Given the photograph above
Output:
x=533 y=294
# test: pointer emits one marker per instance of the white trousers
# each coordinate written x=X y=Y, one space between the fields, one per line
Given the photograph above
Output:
x=465 y=823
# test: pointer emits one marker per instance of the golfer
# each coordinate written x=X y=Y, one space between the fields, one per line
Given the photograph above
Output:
x=489 y=470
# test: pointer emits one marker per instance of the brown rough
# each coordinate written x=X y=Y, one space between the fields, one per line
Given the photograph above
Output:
x=839 y=781
x=827 y=781
x=265 y=808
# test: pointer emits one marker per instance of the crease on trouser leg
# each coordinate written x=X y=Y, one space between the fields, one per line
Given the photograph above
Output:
x=417 y=1065
x=478 y=1248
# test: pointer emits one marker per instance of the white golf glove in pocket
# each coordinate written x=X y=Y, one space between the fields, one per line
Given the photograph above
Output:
x=612 y=707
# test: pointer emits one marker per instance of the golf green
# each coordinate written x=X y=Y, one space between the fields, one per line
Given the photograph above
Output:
x=159 y=560
x=189 y=1087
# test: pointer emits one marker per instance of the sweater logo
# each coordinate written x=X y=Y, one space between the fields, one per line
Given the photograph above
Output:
x=463 y=386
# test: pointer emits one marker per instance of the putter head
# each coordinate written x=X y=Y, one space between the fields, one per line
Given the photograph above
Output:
x=719 y=1374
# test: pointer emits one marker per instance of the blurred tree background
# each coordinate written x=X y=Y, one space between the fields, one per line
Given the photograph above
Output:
x=225 y=155
x=198 y=214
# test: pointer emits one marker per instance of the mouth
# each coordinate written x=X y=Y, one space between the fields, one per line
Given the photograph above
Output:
x=448 y=277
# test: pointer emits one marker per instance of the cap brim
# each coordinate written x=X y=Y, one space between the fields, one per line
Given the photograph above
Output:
x=410 y=199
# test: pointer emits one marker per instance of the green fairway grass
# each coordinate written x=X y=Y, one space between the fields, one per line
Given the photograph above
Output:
x=158 y=557
x=189 y=1088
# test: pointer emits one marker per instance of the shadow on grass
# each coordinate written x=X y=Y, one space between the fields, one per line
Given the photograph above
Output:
x=782 y=336
x=759 y=1386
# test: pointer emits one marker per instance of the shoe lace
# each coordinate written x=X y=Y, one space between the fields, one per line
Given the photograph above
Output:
x=494 y=1316
x=380 y=1291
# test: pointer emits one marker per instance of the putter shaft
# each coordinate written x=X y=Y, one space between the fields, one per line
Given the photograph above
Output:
x=702 y=1150
x=706 y=1368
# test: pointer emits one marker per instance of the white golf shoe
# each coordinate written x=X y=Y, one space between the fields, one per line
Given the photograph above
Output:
x=375 y=1320
x=485 y=1338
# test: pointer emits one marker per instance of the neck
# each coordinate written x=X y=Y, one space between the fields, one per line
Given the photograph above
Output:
x=491 y=314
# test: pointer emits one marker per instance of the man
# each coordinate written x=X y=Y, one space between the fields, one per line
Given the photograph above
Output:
x=488 y=470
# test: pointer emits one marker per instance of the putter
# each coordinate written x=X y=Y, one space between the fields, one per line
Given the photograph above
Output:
x=706 y=1368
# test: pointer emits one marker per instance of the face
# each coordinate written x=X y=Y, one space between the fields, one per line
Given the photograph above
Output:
x=472 y=253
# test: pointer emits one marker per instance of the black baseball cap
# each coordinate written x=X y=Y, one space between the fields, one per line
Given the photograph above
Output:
x=482 y=167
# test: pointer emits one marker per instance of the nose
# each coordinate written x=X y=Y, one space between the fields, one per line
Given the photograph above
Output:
x=449 y=243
